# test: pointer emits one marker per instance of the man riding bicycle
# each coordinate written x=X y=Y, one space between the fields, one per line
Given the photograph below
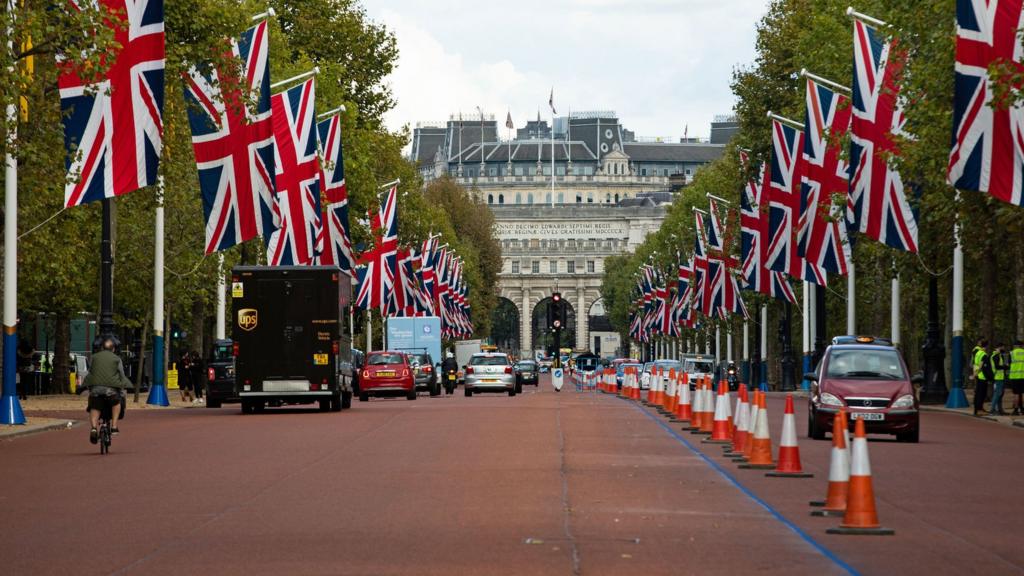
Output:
x=106 y=383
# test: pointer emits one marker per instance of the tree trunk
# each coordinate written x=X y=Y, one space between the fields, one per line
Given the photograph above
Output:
x=61 y=353
x=198 y=324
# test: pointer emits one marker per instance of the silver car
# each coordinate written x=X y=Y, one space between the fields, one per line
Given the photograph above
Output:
x=490 y=372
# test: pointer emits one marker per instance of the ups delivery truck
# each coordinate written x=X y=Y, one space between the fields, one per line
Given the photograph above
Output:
x=291 y=340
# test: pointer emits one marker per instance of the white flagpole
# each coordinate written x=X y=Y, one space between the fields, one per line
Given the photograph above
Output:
x=10 y=411
x=157 y=391
x=221 y=297
x=895 y=309
x=552 y=157
x=764 y=346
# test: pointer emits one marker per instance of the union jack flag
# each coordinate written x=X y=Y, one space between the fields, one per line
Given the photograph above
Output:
x=113 y=124
x=234 y=145
x=823 y=239
x=700 y=264
x=754 y=225
x=880 y=207
x=405 y=297
x=298 y=177
x=714 y=282
x=988 y=141
x=784 y=199
x=377 y=275
x=428 y=257
x=335 y=242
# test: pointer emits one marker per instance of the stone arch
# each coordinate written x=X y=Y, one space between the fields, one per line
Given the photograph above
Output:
x=505 y=326
x=542 y=338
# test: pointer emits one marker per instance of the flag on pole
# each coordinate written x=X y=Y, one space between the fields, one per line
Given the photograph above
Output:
x=754 y=226
x=880 y=207
x=377 y=274
x=335 y=241
x=551 y=102
x=988 y=152
x=823 y=240
x=508 y=121
x=298 y=177
x=113 y=124
x=233 y=142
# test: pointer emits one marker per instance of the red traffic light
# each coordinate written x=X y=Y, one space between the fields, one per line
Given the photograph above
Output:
x=557 y=297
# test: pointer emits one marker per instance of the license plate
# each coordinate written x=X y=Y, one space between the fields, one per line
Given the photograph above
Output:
x=320 y=359
x=867 y=416
x=489 y=380
x=384 y=373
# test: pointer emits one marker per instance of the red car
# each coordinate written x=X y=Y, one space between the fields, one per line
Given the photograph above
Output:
x=867 y=378
x=387 y=373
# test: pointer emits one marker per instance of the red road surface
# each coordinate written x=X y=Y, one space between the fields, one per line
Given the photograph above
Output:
x=543 y=483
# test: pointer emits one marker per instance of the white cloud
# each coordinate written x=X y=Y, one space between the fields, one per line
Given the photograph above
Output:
x=661 y=64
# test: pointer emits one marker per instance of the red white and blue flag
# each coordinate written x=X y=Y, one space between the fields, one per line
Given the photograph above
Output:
x=823 y=239
x=753 y=227
x=376 y=276
x=113 y=124
x=784 y=202
x=335 y=242
x=880 y=207
x=233 y=143
x=714 y=282
x=700 y=264
x=988 y=141
x=298 y=177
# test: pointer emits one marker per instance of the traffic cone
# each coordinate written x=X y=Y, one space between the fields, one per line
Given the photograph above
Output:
x=739 y=435
x=721 y=432
x=861 y=518
x=684 y=411
x=761 y=449
x=838 y=472
x=748 y=448
x=789 y=451
x=670 y=394
x=698 y=408
x=650 y=388
x=707 y=418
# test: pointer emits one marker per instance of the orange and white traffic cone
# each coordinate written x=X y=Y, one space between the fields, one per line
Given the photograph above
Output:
x=707 y=419
x=789 y=451
x=698 y=408
x=838 y=472
x=761 y=444
x=684 y=411
x=739 y=435
x=861 y=518
x=748 y=448
x=721 y=432
x=670 y=395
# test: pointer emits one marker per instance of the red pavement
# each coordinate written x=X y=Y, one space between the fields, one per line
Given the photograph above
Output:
x=543 y=483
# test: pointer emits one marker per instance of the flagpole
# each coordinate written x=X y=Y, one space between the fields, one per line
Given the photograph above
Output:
x=10 y=407
x=854 y=14
x=895 y=320
x=340 y=108
x=808 y=321
x=784 y=120
x=834 y=85
x=268 y=14
x=851 y=297
x=957 y=398
x=303 y=76
x=552 y=157
x=764 y=347
x=221 y=298
x=157 y=390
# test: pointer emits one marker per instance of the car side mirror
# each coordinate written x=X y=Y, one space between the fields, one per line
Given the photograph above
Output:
x=810 y=376
x=917 y=379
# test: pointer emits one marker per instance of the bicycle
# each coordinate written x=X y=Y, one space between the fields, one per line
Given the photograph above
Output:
x=105 y=436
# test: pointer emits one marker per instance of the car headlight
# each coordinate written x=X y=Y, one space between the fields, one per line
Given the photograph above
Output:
x=906 y=401
x=830 y=399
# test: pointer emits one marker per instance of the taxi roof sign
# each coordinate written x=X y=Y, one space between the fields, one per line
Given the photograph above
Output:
x=862 y=340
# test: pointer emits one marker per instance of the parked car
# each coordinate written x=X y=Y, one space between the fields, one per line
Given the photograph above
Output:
x=220 y=375
x=527 y=372
x=425 y=373
x=490 y=372
x=867 y=378
x=387 y=373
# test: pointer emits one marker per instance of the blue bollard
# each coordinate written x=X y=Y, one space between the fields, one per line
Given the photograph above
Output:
x=805 y=384
x=157 y=390
x=10 y=407
x=957 y=397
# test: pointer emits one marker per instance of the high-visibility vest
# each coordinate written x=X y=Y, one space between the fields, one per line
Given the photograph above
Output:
x=997 y=360
x=980 y=358
x=1017 y=364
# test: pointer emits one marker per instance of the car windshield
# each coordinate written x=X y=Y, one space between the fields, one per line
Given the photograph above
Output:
x=222 y=353
x=382 y=359
x=879 y=364
x=587 y=362
x=421 y=359
x=489 y=361
x=700 y=367
x=668 y=365
x=527 y=365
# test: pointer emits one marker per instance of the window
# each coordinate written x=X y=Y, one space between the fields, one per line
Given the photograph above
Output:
x=547 y=170
x=560 y=170
x=520 y=170
x=519 y=197
x=515 y=266
x=608 y=198
x=490 y=198
x=553 y=268
x=579 y=199
x=643 y=171
x=501 y=198
x=572 y=267
x=492 y=171
x=590 y=197
x=529 y=198
x=547 y=198
x=535 y=267
x=665 y=172
x=590 y=266
x=616 y=198
x=561 y=197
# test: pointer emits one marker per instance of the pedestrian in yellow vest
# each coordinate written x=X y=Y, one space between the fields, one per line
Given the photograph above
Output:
x=982 y=374
x=1017 y=376
x=1001 y=368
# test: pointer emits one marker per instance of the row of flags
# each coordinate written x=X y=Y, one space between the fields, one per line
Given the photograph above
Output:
x=268 y=166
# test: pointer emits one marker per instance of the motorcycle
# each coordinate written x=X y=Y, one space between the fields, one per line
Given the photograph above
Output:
x=449 y=383
x=732 y=377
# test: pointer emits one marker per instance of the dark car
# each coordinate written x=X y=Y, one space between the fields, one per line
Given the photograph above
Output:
x=868 y=379
x=424 y=373
x=387 y=373
x=527 y=372
x=220 y=374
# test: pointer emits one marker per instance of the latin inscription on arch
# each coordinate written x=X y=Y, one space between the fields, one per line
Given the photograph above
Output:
x=560 y=230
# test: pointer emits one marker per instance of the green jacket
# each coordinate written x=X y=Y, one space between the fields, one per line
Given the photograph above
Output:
x=107 y=370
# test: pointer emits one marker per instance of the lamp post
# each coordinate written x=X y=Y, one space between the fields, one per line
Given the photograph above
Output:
x=787 y=361
x=934 y=389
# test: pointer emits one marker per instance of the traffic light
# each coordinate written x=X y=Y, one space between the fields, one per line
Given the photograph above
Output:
x=556 y=312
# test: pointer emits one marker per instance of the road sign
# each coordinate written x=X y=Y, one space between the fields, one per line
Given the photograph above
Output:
x=556 y=379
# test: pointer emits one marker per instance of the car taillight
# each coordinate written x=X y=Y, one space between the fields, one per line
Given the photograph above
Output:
x=469 y=369
x=334 y=348
x=211 y=374
x=428 y=369
x=405 y=373
x=314 y=386
x=366 y=373
x=234 y=349
x=508 y=369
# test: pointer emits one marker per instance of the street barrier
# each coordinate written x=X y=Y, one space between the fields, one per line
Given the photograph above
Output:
x=761 y=445
x=834 y=503
x=789 y=465
x=684 y=412
x=861 y=517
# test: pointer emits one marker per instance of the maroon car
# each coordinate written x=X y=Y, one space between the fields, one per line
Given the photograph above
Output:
x=387 y=373
x=867 y=378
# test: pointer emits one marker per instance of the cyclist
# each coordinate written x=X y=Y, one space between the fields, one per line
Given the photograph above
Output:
x=106 y=383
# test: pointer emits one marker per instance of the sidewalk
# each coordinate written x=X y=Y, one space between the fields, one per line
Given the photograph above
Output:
x=34 y=425
x=39 y=412
x=1007 y=420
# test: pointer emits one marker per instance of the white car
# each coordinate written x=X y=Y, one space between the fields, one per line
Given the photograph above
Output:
x=490 y=372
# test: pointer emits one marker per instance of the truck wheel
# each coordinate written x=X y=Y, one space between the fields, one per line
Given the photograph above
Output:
x=346 y=400
x=325 y=405
x=468 y=392
x=411 y=395
x=258 y=407
x=364 y=397
x=247 y=407
x=212 y=403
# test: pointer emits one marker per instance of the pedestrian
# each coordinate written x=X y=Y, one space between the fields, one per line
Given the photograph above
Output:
x=185 y=378
x=1017 y=376
x=1001 y=368
x=197 y=377
x=982 y=374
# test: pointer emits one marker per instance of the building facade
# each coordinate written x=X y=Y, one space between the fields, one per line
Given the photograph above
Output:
x=563 y=201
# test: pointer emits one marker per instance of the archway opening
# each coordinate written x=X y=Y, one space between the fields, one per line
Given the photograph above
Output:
x=505 y=326
x=543 y=338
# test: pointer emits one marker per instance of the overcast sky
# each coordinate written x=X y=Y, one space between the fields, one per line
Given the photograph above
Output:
x=661 y=65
